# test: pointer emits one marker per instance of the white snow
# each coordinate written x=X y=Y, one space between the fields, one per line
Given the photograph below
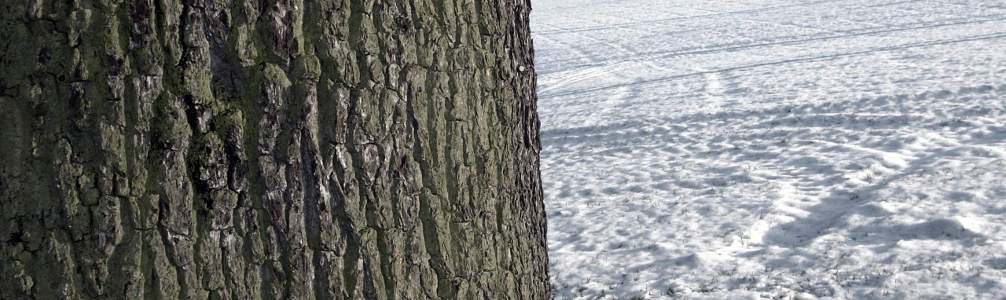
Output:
x=714 y=149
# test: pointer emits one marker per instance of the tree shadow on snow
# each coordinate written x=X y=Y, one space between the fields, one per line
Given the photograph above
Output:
x=834 y=210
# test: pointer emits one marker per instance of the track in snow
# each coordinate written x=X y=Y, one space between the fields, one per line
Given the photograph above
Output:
x=723 y=149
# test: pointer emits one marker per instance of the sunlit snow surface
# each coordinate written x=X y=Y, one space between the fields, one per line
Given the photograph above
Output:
x=746 y=149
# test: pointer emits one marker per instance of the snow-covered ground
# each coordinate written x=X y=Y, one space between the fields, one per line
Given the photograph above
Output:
x=744 y=149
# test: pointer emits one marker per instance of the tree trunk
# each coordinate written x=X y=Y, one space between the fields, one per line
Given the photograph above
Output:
x=332 y=149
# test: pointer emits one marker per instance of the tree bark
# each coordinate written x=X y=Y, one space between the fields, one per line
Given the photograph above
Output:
x=330 y=149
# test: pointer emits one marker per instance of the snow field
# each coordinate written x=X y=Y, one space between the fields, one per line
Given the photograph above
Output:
x=782 y=149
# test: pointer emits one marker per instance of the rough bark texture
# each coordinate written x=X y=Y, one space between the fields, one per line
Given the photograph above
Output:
x=269 y=149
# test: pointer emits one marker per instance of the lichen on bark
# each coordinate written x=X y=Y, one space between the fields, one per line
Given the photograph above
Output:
x=330 y=149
